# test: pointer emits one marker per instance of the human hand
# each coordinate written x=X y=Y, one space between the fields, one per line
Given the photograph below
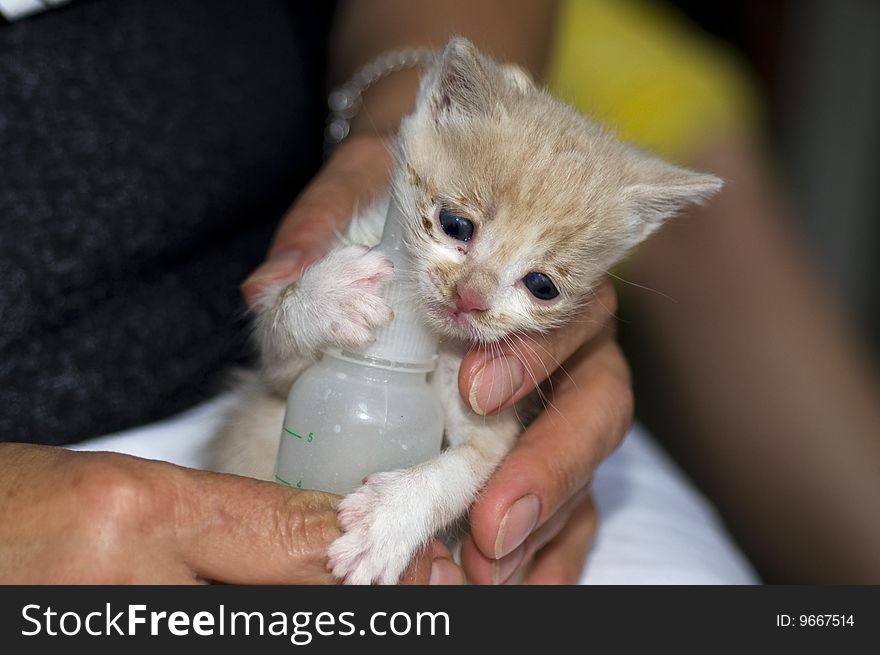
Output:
x=69 y=517
x=357 y=173
x=535 y=519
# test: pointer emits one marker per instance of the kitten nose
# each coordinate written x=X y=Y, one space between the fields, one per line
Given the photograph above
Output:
x=470 y=301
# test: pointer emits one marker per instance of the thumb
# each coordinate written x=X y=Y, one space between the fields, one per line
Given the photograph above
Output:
x=357 y=174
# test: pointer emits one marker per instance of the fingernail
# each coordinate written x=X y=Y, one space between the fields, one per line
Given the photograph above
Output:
x=503 y=568
x=517 y=524
x=444 y=572
x=280 y=265
x=496 y=382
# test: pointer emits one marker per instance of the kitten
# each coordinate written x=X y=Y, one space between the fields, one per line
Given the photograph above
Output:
x=514 y=206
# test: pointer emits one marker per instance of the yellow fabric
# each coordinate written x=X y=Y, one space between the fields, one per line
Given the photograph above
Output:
x=640 y=68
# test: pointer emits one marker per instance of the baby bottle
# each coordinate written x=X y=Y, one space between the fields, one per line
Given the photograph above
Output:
x=359 y=412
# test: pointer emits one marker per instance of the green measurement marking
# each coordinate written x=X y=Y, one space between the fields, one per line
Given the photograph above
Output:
x=298 y=485
x=298 y=436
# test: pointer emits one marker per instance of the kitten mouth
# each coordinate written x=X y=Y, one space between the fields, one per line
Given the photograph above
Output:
x=459 y=318
x=453 y=321
x=461 y=323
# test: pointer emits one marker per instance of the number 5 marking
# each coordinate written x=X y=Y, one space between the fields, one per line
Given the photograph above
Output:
x=299 y=436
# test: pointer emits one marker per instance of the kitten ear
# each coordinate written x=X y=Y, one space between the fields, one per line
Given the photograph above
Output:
x=457 y=84
x=518 y=78
x=660 y=191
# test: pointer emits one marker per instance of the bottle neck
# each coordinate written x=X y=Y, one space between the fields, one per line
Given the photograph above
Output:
x=372 y=361
x=406 y=339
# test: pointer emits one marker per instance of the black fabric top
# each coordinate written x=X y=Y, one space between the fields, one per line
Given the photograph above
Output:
x=147 y=149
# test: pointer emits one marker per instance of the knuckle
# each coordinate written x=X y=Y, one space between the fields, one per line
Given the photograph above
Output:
x=305 y=524
x=619 y=407
x=113 y=507
x=301 y=221
x=590 y=513
x=607 y=297
x=564 y=478
x=289 y=521
x=112 y=496
x=310 y=226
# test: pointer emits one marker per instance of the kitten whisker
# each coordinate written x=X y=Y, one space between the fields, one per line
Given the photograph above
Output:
x=550 y=379
x=517 y=355
x=545 y=402
x=641 y=286
x=559 y=365
x=509 y=377
x=535 y=355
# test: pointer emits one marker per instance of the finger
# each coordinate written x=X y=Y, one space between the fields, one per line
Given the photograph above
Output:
x=244 y=531
x=493 y=377
x=557 y=455
x=483 y=570
x=477 y=567
x=434 y=566
x=357 y=173
x=561 y=561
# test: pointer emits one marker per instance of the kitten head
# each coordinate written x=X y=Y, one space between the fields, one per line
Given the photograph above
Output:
x=515 y=204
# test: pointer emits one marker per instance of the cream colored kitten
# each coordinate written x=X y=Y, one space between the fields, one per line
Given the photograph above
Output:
x=515 y=206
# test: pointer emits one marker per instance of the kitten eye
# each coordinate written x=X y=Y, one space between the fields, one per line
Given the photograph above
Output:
x=457 y=227
x=540 y=286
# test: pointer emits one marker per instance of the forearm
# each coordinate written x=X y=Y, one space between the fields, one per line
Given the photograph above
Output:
x=780 y=412
x=511 y=30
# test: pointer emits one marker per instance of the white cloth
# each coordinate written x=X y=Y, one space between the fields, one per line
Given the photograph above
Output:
x=654 y=526
x=16 y=9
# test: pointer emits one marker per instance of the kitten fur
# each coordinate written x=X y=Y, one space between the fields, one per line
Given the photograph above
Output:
x=547 y=190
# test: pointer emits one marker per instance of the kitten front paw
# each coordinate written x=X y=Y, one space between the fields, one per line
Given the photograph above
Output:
x=383 y=530
x=345 y=290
